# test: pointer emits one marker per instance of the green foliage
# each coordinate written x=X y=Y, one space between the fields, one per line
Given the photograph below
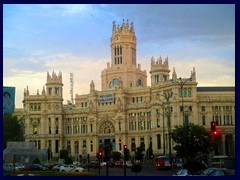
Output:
x=68 y=160
x=12 y=129
x=149 y=153
x=139 y=153
x=63 y=154
x=36 y=161
x=192 y=140
x=193 y=165
x=116 y=155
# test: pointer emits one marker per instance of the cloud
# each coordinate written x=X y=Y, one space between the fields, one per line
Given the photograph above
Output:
x=72 y=9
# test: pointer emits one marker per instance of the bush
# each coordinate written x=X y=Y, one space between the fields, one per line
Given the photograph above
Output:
x=36 y=161
x=68 y=160
x=193 y=165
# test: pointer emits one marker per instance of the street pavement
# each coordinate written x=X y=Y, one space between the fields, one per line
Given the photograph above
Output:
x=147 y=170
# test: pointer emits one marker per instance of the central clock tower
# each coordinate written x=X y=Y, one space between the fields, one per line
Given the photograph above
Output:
x=123 y=72
x=123 y=45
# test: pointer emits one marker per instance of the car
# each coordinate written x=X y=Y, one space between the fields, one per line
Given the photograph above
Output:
x=207 y=171
x=10 y=167
x=70 y=167
x=185 y=172
x=182 y=172
x=103 y=163
x=128 y=164
x=222 y=172
x=118 y=164
x=111 y=164
x=93 y=164
x=57 y=167
x=79 y=169
x=37 y=167
x=163 y=162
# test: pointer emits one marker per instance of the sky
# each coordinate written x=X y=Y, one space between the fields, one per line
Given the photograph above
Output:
x=75 y=38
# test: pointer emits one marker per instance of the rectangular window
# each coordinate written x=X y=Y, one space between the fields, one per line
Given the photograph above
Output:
x=190 y=108
x=158 y=122
x=185 y=93
x=203 y=120
x=203 y=108
x=35 y=130
x=186 y=119
x=180 y=93
x=181 y=108
x=91 y=147
x=91 y=127
x=56 y=146
x=49 y=130
x=142 y=143
x=56 y=90
x=56 y=129
x=159 y=141
x=50 y=91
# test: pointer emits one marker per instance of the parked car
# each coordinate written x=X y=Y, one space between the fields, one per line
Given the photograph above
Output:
x=103 y=163
x=10 y=167
x=93 y=164
x=208 y=171
x=118 y=164
x=70 y=167
x=185 y=172
x=128 y=164
x=56 y=167
x=37 y=167
x=222 y=172
x=111 y=164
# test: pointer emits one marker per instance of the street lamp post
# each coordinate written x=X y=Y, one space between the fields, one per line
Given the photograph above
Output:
x=181 y=83
x=167 y=97
x=163 y=114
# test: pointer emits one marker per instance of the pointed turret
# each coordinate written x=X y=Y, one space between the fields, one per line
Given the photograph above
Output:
x=92 y=87
x=193 y=75
x=43 y=91
x=174 y=75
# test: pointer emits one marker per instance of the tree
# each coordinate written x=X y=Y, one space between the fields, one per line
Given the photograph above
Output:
x=36 y=161
x=12 y=129
x=63 y=154
x=116 y=155
x=139 y=153
x=192 y=140
x=149 y=152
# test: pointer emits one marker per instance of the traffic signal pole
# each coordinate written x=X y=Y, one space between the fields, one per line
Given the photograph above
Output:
x=125 y=157
x=99 y=172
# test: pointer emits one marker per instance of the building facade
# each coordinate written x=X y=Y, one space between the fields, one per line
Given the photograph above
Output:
x=126 y=110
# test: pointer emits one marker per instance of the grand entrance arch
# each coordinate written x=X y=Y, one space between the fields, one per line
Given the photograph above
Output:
x=106 y=135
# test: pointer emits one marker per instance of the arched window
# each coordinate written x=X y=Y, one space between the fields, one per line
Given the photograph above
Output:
x=203 y=120
x=113 y=83
x=139 y=82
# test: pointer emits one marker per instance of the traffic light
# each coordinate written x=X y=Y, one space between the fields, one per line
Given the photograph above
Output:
x=213 y=126
x=125 y=151
x=100 y=154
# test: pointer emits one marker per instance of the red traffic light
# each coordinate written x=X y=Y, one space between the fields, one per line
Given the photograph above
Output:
x=100 y=153
x=125 y=147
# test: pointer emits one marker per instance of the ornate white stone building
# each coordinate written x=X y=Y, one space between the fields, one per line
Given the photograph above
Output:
x=126 y=110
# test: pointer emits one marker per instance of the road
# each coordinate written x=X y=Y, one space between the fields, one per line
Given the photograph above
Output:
x=147 y=170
